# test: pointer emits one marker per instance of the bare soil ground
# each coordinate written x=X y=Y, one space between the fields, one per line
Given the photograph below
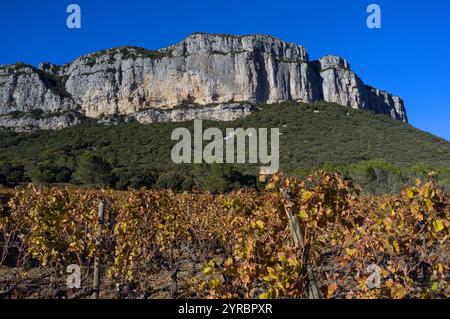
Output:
x=40 y=283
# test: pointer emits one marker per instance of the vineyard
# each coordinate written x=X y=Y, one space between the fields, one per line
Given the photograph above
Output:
x=311 y=238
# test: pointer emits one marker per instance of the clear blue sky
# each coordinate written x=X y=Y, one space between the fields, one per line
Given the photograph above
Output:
x=409 y=56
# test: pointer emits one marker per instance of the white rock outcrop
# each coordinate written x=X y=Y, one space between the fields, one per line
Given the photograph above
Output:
x=28 y=123
x=222 y=112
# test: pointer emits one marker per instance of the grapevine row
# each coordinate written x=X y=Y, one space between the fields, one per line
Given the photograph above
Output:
x=239 y=245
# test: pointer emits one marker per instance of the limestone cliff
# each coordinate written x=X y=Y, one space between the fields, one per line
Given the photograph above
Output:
x=201 y=70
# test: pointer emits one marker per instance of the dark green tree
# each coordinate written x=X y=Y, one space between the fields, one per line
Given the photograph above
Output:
x=13 y=173
x=93 y=170
x=135 y=178
x=3 y=181
x=217 y=178
x=47 y=174
x=171 y=180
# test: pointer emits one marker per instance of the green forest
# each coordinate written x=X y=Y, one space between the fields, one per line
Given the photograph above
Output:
x=378 y=153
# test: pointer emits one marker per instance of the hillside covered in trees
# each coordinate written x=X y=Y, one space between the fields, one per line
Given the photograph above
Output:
x=380 y=154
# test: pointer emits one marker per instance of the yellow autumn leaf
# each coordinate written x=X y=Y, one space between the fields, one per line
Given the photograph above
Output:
x=214 y=282
x=331 y=289
x=260 y=224
x=281 y=257
x=228 y=262
x=249 y=248
x=292 y=261
x=270 y=186
x=388 y=223
x=438 y=225
x=303 y=215
x=396 y=246
x=350 y=251
x=130 y=274
x=435 y=286
x=307 y=195
x=410 y=193
x=208 y=270
x=264 y=295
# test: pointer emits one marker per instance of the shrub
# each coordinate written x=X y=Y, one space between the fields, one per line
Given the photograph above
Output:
x=13 y=173
x=93 y=170
x=171 y=180
x=3 y=181
x=47 y=174
x=135 y=179
x=217 y=178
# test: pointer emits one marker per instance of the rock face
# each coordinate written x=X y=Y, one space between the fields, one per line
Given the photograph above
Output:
x=200 y=70
x=24 y=88
x=342 y=86
x=29 y=123
x=221 y=112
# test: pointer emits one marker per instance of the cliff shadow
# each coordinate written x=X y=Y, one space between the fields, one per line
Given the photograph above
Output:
x=262 y=90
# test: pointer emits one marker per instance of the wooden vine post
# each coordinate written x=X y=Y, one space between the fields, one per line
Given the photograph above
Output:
x=298 y=237
x=98 y=245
